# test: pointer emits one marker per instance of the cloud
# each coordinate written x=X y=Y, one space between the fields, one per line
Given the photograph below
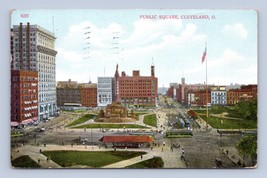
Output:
x=237 y=30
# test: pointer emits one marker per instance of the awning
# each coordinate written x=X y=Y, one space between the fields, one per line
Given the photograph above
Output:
x=14 y=124
x=27 y=121
x=35 y=118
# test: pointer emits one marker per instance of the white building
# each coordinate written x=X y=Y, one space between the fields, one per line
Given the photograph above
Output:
x=34 y=49
x=218 y=95
x=105 y=92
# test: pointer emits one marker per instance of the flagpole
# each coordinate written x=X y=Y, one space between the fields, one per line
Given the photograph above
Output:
x=207 y=99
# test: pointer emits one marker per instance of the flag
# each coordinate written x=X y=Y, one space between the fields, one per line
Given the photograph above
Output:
x=204 y=55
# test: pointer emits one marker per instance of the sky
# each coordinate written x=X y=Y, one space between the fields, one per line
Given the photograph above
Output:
x=91 y=42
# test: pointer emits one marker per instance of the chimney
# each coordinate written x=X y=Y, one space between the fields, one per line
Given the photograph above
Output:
x=152 y=71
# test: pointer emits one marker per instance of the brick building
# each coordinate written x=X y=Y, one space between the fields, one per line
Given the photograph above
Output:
x=137 y=90
x=198 y=97
x=24 y=97
x=244 y=93
x=74 y=92
x=89 y=95
x=68 y=92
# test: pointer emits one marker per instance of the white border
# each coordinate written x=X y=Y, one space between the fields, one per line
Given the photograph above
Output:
x=7 y=5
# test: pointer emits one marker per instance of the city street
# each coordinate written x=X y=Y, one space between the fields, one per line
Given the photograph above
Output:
x=200 y=151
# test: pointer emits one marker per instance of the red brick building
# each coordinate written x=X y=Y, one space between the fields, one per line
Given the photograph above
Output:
x=89 y=95
x=24 y=97
x=136 y=90
x=198 y=97
x=245 y=93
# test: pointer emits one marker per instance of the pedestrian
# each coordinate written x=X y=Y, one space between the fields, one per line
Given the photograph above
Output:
x=151 y=148
x=171 y=148
x=47 y=159
x=40 y=151
x=39 y=160
x=141 y=157
x=183 y=151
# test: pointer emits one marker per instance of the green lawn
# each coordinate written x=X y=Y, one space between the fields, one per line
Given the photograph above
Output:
x=17 y=135
x=24 y=162
x=82 y=119
x=219 y=123
x=111 y=126
x=94 y=159
x=151 y=120
x=156 y=162
x=75 y=111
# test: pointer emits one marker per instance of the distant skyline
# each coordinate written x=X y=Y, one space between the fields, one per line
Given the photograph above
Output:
x=91 y=42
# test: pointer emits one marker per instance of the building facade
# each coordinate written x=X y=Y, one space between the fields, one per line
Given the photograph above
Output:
x=24 y=97
x=89 y=95
x=244 y=93
x=34 y=50
x=138 y=91
x=218 y=95
x=73 y=92
x=105 y=91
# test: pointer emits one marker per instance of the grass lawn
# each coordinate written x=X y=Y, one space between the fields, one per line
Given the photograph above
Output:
x=95 y=159
x=151 y=120
x=156 y=162
x=24 y=162
x=216 y=122
x=75 y=111
x=17 y=135
x=82 y=119
x=111 y=126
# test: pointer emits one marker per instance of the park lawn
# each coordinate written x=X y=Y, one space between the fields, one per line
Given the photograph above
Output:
x=17 y=135
x=94 y=159
x=216 y=122
x=24 y=161
x=82 y=119
x=150 y=120
x=110 y=126
x=156 y=162
x=75 y=111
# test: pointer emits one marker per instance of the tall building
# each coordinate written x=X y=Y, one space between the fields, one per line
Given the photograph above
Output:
x=24 y=97
x=105 y=91
x=137 y=90
x=34 y=50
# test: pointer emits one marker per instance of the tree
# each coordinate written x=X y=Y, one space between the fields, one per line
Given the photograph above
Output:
x=248 y=147
x=247 y=109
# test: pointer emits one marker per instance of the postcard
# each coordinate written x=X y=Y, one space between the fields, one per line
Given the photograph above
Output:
x=133 y=88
